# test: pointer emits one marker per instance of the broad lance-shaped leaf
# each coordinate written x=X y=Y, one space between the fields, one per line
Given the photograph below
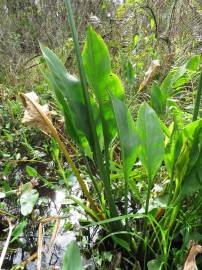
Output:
x=72 y=258
x=127 y=134
x=18 y=230
x=128 y=140
x=70 y=125
x=70 y=96
x=97 y=66
x=158 y=99
x=151 y=138
x=192 y=181
x=172 y=149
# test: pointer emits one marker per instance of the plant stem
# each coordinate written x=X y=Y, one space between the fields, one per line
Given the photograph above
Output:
x=198 y=99
x=91 y=176
x=6 y=244
x=146 y=208
x=146 y=219
x=53 y=132
x=96 y=147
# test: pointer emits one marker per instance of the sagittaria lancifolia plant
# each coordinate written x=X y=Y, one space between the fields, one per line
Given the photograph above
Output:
x=94 y=118
x=95 y=114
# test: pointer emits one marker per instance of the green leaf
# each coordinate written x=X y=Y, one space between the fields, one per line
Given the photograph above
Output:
x=154 y=203
x=182 y=162
x=128 y=140
x=127 y=134
x=129 y=73
x=178 y=76
x=190 y=129
x=28 y=199
x=158 y=99
x=194 y=141
x=18 y=230
x=151 y=137
x=173 y=76
x=96 y=60
x=193 y=178
x=72 y=258
x=172 y=150
x=2 y=195
x=124 y=244
x=152 y=23
x=31 y=171
x=156 y=264
x=97 y=66
x=194 y=63
x=136 y=39
x=69 y=94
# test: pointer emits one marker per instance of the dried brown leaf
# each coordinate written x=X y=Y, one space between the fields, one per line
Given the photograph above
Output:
x=150 y=74
x=190 y=263
x=36 y=115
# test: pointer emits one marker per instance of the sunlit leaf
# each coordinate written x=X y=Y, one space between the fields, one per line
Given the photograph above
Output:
x=151 y=137
x=69 y=94
x=28 y=199
x=31 y=171
x=18 y=230
x=194 y=63
x=97 y=66
x=193 y=179
x=172 y=150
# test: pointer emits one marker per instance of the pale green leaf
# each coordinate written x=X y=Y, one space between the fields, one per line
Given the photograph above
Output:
x=28 y=199
x=72 y=258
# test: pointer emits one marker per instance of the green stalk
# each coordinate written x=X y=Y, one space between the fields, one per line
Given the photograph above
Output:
x=146 y=219
x=198 y=99
x=91 y=176
x=147 y=208
x=98 y=154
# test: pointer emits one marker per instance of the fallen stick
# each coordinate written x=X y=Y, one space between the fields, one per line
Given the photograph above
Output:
x=3 y=254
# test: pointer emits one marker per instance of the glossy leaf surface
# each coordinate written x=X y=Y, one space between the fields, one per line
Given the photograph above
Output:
x=97 y=66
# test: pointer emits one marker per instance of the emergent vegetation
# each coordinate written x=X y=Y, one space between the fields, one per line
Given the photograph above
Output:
x=138 y=162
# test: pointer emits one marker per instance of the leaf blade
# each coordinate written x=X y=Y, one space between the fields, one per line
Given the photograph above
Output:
x=151 y=139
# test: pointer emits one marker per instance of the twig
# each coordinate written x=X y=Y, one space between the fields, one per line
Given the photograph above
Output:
x=52 y=240
x=3 y=254
x=30 y=59
x=28 y=260
x=34 y=65
x=154 y=18
x=23 y=161
x=40 y=246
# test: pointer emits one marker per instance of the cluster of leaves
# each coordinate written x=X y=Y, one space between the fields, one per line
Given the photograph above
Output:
x=94 y=118
x=157 y=177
